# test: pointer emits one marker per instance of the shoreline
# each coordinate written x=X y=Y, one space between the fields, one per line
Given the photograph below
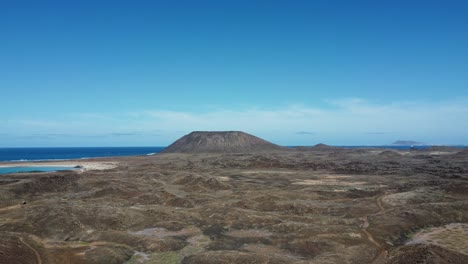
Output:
x=84 y=165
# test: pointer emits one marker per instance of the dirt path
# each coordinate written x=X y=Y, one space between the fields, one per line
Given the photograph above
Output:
x=382 y=255
x=38 y=257
x=379 y=203
x=369 y=235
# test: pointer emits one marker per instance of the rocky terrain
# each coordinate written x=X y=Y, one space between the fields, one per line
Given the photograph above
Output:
x=307 y=205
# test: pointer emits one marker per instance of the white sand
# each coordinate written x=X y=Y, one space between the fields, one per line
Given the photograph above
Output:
x=85 y=165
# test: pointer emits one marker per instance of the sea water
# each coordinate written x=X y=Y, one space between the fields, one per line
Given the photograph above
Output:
x=8 y=170
x=36 y=154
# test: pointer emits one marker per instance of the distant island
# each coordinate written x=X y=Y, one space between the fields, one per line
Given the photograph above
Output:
x=407 y=143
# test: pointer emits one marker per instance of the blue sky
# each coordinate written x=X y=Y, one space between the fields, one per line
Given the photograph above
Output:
x=143 y=73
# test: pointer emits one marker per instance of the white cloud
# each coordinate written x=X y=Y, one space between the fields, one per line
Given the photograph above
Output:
x=346 y=121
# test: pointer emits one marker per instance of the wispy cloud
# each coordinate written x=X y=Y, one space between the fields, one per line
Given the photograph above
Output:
x=379 y=133
x=338 y=121
x=45 y=135
x=305 y=133
x=120 y=134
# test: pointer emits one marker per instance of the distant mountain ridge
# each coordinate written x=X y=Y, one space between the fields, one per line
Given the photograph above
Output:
x=407 y=143
x=221 y=142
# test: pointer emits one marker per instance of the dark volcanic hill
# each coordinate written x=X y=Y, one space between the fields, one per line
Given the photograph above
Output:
x=221 y=142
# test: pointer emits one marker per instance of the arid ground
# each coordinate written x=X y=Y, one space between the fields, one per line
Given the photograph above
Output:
x=309 y=205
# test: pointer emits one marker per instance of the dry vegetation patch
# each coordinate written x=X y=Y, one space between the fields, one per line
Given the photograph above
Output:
x=452 y=236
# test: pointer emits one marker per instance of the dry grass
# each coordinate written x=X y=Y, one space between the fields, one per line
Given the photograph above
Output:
x=452 y=236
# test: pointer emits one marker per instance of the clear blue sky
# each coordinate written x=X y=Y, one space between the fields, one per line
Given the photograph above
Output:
x=105 y=73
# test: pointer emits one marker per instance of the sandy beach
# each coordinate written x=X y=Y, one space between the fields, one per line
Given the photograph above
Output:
x=85 y=165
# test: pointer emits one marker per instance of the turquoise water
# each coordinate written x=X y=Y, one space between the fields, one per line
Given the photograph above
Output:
x=8 y=170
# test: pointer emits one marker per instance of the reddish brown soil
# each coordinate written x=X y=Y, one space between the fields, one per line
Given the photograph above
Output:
x=314 y=205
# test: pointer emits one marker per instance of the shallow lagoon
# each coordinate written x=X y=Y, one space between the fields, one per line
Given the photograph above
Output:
x=16 y=169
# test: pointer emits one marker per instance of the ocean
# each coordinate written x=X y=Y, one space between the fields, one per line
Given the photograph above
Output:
x=8 y=170
x=37 y=154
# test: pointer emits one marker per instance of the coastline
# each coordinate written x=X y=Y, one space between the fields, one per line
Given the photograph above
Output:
x=84 y=165
x=53 y=154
